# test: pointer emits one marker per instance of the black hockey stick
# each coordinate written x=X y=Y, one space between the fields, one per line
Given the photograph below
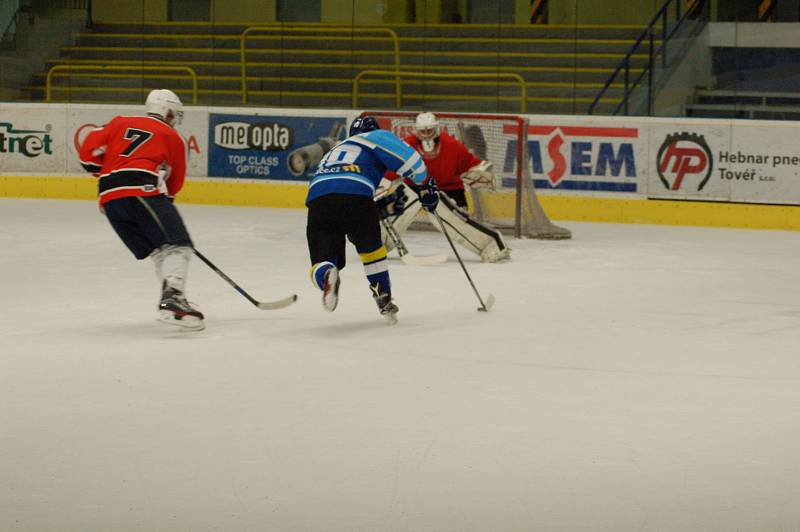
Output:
x=489 y=300
x=402 y=250
x=263 y=305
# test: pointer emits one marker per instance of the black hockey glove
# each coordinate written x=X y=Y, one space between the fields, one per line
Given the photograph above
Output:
x=428 y=196
x=393 y=204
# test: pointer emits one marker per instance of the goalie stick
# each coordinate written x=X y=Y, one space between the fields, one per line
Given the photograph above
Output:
x=489 y=300
x=405 y=256
x=263 y=305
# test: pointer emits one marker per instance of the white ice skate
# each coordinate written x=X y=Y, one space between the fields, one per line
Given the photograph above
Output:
x=330 y=289
x=175 y=310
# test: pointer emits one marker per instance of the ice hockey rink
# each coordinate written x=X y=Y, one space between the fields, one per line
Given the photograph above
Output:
x=632 y=378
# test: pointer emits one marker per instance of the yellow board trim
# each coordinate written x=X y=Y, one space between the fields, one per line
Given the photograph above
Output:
x=562 y=208
x=673 y=212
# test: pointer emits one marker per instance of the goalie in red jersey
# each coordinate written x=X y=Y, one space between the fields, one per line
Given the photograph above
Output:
x=140 y=162
x=451 y=165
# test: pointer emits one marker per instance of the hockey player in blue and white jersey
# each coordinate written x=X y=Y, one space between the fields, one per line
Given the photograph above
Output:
x=340 y=206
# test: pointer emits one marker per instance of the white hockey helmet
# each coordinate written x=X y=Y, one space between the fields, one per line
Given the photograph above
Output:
x=427 y=130
x=166 y=105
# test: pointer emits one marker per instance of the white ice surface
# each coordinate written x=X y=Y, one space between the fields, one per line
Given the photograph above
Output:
x=632 y=378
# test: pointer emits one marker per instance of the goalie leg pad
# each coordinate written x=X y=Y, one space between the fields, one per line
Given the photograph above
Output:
x=484 y=241
x=401 y=223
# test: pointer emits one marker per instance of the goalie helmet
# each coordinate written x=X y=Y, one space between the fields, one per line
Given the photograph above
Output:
x=166 y=105
x=427 y=130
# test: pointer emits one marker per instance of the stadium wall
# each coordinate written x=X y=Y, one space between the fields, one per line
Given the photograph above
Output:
x=722 y=173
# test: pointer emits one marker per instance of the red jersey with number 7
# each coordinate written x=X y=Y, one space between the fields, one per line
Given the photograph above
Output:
x=135 y=156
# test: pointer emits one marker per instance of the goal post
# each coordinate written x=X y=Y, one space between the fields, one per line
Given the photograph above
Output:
x=513 y=207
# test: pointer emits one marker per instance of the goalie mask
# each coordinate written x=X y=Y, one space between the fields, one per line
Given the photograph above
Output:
x=427 y=131
x=165 y=105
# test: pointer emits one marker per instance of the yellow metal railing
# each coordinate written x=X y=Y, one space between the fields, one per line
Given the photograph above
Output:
x=316 y=30
x=435 y=75
x=190 y=73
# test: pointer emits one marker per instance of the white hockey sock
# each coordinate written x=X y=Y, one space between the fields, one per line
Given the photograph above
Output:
x=158 y=261
x=172 y=263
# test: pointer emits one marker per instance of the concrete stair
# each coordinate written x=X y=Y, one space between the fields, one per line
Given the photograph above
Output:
x=563 y=66
x=30 y=53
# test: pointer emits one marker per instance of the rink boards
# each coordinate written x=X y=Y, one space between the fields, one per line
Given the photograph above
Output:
x=722 y=173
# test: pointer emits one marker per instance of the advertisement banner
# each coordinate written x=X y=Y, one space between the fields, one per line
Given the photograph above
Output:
x=763 y=164
x=725 y=161
x=193 y=128
x=588 y=156
x=685 y=161
x=270 y=146
x=32 y=139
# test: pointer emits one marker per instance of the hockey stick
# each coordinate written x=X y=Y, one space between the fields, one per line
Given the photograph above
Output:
x=263 y=305
x=405 y=256
x=489 y=300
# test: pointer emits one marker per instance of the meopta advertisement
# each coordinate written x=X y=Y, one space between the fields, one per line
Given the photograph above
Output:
x=588 y=156
x=270 y=146
x=726 y=161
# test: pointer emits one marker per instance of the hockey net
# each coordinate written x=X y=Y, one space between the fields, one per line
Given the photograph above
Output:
x=512 y=206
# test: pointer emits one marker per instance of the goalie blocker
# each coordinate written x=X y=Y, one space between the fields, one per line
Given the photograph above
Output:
x=480 y=239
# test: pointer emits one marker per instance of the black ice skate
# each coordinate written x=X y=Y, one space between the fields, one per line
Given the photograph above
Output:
x=385 y=305
x=175 y=310
x=330 y=289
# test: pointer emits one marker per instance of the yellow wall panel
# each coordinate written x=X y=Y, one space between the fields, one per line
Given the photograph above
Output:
x=366 y=12
x=602 y=11
x=244 y=11
x=129 y=11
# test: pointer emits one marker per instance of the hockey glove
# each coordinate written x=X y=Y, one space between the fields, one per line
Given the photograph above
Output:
x=480 y=176
x=392 y=204
x=428 y=196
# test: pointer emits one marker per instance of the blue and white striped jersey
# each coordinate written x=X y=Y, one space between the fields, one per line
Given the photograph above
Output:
x=357 y=164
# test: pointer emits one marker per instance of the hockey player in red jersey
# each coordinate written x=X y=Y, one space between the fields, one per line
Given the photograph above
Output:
x=450 y=164
x=140 y=162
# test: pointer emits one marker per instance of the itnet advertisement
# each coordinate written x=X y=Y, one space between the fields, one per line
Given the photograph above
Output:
x=725 y=161
x=45 y=138
x=32 y=139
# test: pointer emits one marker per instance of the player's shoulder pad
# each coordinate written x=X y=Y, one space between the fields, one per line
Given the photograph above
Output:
x=380 y=136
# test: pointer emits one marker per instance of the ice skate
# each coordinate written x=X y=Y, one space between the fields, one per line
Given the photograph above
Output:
x=175 y=310
x=330 y=289
x=385 y=305
x=389 y=311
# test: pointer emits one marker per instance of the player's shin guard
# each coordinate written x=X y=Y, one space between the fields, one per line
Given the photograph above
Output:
x=484 y=241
